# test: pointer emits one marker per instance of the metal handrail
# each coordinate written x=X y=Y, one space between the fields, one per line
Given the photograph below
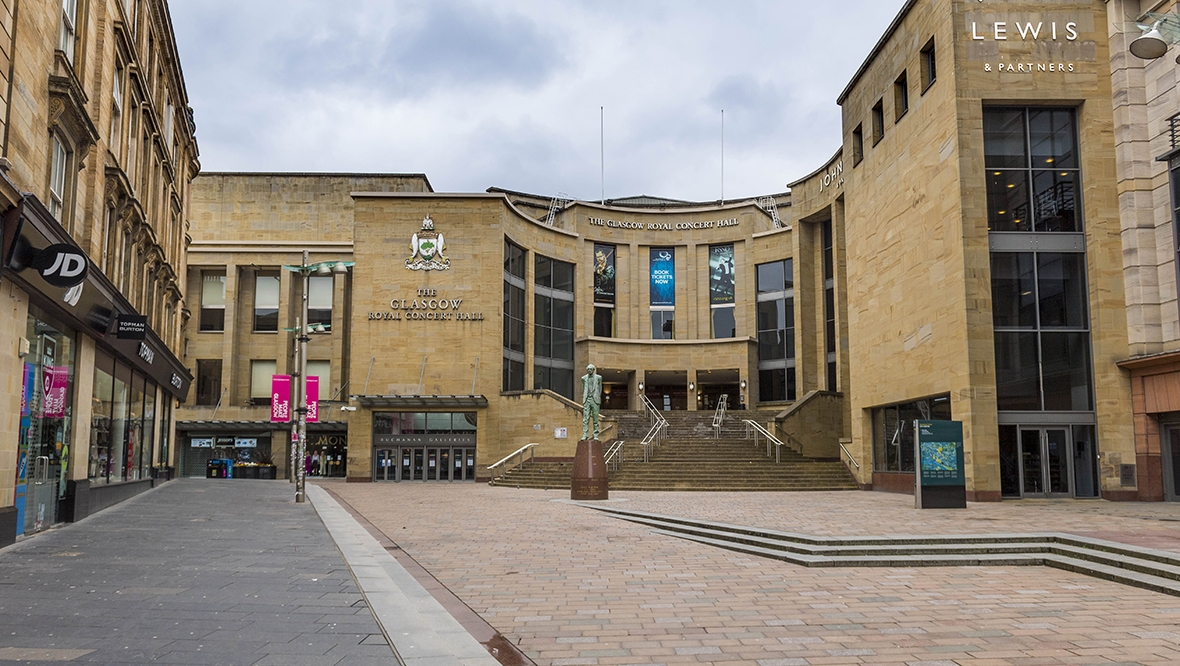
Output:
x=758 y=429
x=652 y=412
x=615 y=455
x=850 y=458
x=518 y=453
x=654 y=437
x=719 y=415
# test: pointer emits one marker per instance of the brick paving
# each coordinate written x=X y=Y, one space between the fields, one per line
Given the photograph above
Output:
x=573 y=587
x=194 y=572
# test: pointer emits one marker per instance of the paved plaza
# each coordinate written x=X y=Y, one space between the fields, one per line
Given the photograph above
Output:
x=234 y=572
x=574 y=586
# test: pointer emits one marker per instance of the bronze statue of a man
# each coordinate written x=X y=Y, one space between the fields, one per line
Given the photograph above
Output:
x=591 y=400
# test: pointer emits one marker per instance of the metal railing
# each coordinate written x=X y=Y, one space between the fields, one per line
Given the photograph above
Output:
x=850 y=458
x=614 y=455
x=518 y=454
x=659 y=429
x=719 y=415
x=753 y=428
x=1174 y=131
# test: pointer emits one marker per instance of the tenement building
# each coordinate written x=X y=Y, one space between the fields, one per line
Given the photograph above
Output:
x=97 y=156
x=992 y=243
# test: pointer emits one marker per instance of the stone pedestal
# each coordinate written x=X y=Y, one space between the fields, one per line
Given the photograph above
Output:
x=589 y=479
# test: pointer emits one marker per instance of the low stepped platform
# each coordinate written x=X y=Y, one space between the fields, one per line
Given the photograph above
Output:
x=1151 y=569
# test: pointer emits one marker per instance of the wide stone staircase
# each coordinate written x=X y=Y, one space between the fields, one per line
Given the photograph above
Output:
x=689 y=458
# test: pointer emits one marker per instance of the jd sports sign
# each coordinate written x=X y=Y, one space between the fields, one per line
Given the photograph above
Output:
x=61 y=265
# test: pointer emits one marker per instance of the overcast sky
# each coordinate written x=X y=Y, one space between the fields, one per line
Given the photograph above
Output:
x=478 y=94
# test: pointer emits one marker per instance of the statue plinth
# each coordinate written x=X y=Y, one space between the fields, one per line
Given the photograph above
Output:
x=588 y=481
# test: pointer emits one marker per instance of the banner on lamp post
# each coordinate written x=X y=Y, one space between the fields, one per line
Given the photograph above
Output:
x=280 y=398
x=313 y=399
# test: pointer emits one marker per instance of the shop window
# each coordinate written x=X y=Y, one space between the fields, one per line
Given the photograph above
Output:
x=893 y=431
x=928 y=65
x=553 y=326
x=514 y=317
x=266 y=303
x=212 y=301
x=901 y=96
x=58 y=178
x=261 y=372
x=208 y=382
x=858 y=145
x=68 y=34
x=43 y=441
x=878 y=121
x=319 y=300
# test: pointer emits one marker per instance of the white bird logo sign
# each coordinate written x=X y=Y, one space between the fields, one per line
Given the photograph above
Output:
x=427 y=249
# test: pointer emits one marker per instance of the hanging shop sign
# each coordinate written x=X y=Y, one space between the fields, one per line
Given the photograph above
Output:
x=663 y=276
x=280 y=398
x=131 y=327
x=426 y=306
x=426 y=249
x=604 y=273
x=721 y=281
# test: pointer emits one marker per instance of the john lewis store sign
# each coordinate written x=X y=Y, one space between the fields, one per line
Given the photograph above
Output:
x=1001 y=41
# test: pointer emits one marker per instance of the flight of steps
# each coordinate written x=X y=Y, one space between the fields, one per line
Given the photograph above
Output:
x=689 y=459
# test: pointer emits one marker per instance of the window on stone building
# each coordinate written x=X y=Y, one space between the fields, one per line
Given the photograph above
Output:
x=322 y=370
x=893 y=431
x=514 y=317
x=927 y=61
x=58 y=178
x=69 y=28
x=604 y=290
x=261 y=372
x=776 y=331
x=319 y=299
x=212 y=301
x=266 y=302
x=721 y=291
x=662 y=293
x=858 y=145
x=878 y=121
x=901 y=96
x=829 y=304
x=1174 y=176
x=553 y=326
x=116 y=134
x=208 y=386
x=1033 y=174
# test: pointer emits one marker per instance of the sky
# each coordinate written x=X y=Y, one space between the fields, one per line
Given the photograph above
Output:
x=531 y=95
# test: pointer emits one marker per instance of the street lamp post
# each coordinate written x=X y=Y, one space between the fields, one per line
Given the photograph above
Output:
x=305 y=329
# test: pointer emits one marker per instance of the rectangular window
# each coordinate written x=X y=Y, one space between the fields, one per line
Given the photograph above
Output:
x=663 y=324
x=323 y=370
x=1033 y=176
x=829 y=303
x=208 y=381
x=775 y=321
x=893 y=431
x=662 y=293
x=514 y=317
x=212 y=301
x=901 y=96
x=878 y=121
x=57 y=178
x=69 y=28
x=604 y=321
x=604 y=273
x=319 y=299
x=722 y=285
x=553 y=326
x=116 y=143
x=261 y=372
x=858 y=145
x=266 y=303
x=1174 y=177
x=927 y=61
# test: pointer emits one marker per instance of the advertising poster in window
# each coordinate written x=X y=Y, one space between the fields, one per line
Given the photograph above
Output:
x=56 y=380
x=604 y=273
x=721 y=274
x=663 y=276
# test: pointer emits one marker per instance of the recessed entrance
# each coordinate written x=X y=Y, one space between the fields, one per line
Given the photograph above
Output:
x=1048 y=461
x=425 y=463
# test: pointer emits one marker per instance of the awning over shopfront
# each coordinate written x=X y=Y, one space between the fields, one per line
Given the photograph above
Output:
x=411 y=402
x=215 y=427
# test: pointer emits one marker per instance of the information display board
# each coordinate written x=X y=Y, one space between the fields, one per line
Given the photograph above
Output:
x=941 y=481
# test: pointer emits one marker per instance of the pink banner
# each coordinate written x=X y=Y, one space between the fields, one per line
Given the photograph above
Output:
x=55 y=380
x=313 y=399
x=280 y=398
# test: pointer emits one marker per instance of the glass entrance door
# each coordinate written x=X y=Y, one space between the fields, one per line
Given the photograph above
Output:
x=1171 y=463
x=421 y=463
x=1044 y=462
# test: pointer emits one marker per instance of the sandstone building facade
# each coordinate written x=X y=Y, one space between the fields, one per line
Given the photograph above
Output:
x=98 y=153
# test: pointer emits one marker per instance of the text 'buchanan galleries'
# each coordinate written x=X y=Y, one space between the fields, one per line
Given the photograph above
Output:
x=662 y=226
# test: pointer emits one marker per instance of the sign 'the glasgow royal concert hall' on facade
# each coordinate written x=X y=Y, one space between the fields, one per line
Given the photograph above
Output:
x=993 y=243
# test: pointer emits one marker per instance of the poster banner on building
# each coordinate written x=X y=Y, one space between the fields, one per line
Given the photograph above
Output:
x=720 y=274
x=313 y=399
x=663 y=276
x=604 y=273
x=56 y=379
x=245 y=442
x=280 y=398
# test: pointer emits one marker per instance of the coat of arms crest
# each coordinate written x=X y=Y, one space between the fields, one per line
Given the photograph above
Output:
x=427 y=249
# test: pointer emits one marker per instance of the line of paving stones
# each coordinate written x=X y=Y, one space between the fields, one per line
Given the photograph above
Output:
x=197 y=571
x=573 y=587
